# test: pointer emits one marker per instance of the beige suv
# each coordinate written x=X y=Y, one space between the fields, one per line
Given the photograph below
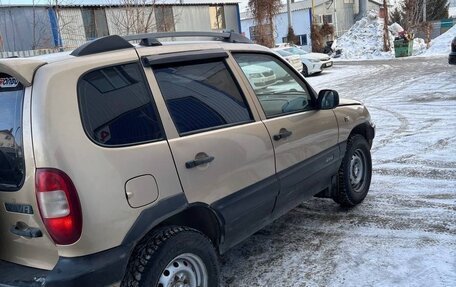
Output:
x=137 y=165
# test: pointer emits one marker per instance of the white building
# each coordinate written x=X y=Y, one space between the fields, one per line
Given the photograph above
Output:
x=452 y=8
x=342 y=14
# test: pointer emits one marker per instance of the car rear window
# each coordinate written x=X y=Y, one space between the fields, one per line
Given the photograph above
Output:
x=12 y=166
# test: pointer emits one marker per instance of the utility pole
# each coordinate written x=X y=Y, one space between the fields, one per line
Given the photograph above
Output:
x=424 y=11
x=335 y=18
x=289 y=14
x=313 y=12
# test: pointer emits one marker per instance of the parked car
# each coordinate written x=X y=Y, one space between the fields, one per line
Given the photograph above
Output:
x=452 y=57
x=259 y=76
x=138 y=165
x=314 y=63
x=294 y=60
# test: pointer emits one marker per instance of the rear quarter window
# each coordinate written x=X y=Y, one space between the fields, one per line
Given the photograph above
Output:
x=12 y=166
x=117 y=108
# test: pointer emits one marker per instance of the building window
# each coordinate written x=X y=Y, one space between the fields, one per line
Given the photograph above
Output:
x=302 y=39
x=164 y=18
x=349 y=1
x=326 y=19
x=217 y=16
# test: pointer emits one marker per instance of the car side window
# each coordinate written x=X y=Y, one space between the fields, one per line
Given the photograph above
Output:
x=277 y=87
x=202 y=96
x=117 y=108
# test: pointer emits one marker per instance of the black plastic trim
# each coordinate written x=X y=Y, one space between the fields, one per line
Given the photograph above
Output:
x=99 y=269
x=247 y=210
x=152 y=216
x=100 y=45
x=307 y=178
x=256 y=206
x=183 y=57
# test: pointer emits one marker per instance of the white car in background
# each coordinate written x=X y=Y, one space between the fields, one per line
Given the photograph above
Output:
x=259 y=76
x=314 y=63
x=294 y=60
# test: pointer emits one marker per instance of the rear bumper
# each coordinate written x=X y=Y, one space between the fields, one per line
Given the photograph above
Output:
x=100 y=269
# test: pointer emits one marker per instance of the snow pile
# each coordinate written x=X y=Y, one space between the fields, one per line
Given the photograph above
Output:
x=441 y=44
x=364 y=40
x=419 y=46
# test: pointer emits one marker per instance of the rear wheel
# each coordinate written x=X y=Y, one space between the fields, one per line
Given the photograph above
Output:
x=173 y=257
x=355 y=173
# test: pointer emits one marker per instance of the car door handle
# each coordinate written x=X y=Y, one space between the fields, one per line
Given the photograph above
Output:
x=199 y=161
x=283 y=133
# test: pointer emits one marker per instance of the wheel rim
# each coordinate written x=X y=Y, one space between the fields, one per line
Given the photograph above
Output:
x=358 y=167
x=186 y=270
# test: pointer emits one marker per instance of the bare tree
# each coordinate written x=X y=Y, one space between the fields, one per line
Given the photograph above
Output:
x=386 y=38
x=67 y=25
x=39 y=22
x=263 y=12
x=139 y=16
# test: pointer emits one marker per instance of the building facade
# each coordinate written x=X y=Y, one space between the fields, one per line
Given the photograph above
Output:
x=342 y=14
x=25 y=28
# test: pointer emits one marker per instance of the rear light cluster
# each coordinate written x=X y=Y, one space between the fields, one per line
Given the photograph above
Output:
x=59 y=205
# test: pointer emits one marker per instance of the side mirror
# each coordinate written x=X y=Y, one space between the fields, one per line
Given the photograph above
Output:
x=327 y=99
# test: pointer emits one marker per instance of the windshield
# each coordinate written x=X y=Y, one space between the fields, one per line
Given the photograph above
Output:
x=283 y=53
x=294 y=50
x=11 y=154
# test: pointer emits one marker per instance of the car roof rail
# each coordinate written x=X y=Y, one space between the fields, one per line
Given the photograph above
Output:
x=152 y=38
x=115 y=42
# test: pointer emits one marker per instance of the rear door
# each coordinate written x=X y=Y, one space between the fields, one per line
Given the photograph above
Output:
x=18 y=210
x=223 y=153
x=305 y=139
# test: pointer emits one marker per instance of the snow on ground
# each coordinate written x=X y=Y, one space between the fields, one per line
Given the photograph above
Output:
x=441 y=44
x=404 y=233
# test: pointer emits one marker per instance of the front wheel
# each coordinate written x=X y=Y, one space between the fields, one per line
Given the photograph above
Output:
x=305 y=71
x=355 y=173
x=173 y=257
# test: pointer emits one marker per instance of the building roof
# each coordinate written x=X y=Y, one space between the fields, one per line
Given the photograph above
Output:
x=95 y=3
x=302 y=5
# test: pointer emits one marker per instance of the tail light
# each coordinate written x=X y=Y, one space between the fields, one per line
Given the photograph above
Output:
x=59 y=205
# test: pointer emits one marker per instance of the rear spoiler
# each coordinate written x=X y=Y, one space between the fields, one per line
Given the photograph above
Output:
x=23 y=69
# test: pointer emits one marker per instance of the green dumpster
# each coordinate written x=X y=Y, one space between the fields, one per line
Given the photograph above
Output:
x=403 y=48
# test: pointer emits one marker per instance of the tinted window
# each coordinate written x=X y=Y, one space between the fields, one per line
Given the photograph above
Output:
x=202 y=96
x=11 y=152
x=116 y=106
x=277 y=87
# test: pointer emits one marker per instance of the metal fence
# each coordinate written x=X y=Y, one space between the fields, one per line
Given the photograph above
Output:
x=29 y=53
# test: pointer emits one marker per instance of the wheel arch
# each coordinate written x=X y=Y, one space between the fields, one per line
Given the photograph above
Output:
x=201 y=217
x=176 y=211
x=365 y=129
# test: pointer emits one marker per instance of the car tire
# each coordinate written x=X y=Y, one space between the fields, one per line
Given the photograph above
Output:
x=171 y=256
x=355 y=173
x=305 y=71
